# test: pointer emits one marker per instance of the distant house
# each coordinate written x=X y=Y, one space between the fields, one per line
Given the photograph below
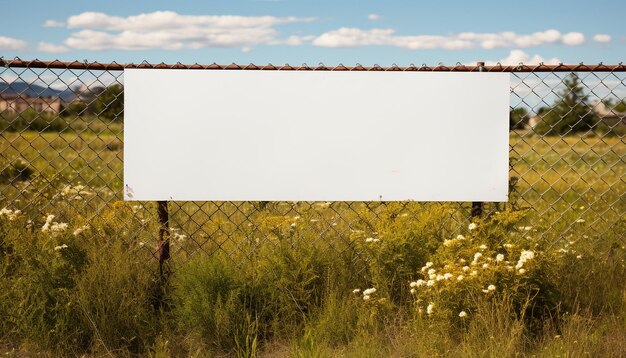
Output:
x=17 y=103
x=607 y=115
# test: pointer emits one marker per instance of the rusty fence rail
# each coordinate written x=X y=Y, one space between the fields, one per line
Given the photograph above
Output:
x=61 y=153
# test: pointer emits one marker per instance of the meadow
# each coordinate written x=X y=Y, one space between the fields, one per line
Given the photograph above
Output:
x=541 y=275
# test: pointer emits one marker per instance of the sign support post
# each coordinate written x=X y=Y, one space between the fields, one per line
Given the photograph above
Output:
x=477 y=206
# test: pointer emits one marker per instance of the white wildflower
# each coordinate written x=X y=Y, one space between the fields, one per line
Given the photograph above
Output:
x=46 y=225
x=462 y=314
x=460 y=237
x=499 y=257
x=369 y=291
x=369 y=239
x=472 y=226
x=431 y=271
x=491 y=288
x=465 y=268
x=474 y=273
x=430 y=283
x=413 y=291
x=142 y=244
x=508 y=246
x=525 y=255
x=366 y=297
x=439 y=277
x=428 y=264
x=460 y=278
x=579 y=221
x=59 y=248
x=356 y=291
x=483 y=247
x=477 y=256
x=80 y=230
x=485 y=265
x=579 y=257
x=522 y=271
x=10 y=214
x=58 y=227
x=420 y=283
x=430 y=308
x=447 y=276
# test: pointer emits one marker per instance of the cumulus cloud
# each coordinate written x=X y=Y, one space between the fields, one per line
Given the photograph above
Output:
x=373 y=17
x=354 y=37
x=604 y=38
x=172 y=31
x=11 y=44
x=52 y=48
x=573 y=38
x=53 y=23
x=516 y=57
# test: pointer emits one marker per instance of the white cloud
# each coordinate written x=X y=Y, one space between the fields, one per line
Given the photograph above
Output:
x=171 y=31
x=573 y=38
x=52 y=48
x=353 y=37
x=516 y=57
x=604 y=38
x=11 y=44
x=53 y=23
x=373 y=17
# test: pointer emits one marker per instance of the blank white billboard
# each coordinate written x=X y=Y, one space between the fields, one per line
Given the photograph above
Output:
x=315 y=135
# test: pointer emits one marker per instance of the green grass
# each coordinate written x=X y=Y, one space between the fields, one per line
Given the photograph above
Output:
x=277 y=279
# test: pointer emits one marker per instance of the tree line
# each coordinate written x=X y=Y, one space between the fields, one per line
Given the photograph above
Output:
x=104 y=102
x=571 y=112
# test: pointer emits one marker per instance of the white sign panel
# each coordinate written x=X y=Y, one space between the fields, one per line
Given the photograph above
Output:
x=315 y=135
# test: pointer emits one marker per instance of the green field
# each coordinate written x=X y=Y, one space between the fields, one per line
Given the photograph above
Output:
x=277 y=279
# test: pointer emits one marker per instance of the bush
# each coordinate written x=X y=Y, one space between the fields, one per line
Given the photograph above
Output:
x=65 y=293
x=18 y=170
x=32 y=120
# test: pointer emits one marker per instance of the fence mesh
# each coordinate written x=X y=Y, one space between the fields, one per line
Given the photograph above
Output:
x=62 y=142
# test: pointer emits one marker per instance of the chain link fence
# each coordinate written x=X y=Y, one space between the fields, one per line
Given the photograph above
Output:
x=62 y=143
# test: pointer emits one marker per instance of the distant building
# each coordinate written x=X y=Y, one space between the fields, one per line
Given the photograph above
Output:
x=17 y=103
x=607 y=115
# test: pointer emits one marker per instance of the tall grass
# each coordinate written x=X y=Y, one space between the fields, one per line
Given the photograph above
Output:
x=66 y=294
x=288 y=279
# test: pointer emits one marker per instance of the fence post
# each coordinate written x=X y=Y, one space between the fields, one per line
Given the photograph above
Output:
x=164 y=235
x=477 y=206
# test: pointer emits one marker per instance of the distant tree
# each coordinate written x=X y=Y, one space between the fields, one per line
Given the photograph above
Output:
x=570 y=113
x=110 y=103
x=73 y=109
x=518 y=118
x=621 y=106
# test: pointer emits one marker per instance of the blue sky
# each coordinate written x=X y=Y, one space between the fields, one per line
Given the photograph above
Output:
x=331 y=32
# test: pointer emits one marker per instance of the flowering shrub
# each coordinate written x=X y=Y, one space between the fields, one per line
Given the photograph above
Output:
x=471 y=267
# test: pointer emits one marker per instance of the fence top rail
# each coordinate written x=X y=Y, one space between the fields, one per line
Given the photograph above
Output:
x=114 y=66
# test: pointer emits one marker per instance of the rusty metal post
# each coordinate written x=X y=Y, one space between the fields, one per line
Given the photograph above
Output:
x=477 y=206
x=164 y=234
